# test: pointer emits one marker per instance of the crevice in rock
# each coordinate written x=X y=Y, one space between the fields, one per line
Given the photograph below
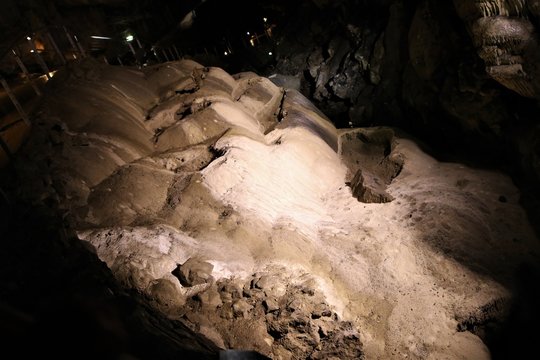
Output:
x=198 y=75
x=281 y=113
x=175 y=190
x=216 y=154
x=184 y=111
x=368 y=154
x=157 y=134
x=149 y=113
x=189 y=108
x=191 y=89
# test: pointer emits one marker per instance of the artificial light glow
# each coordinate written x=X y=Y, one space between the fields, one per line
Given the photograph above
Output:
x=101 y=37
x=252 y=42
x=129 y=38
x=264 y=19
x=270 y=53
x=28 y=38
x=225 y=53
x=32 y=50
x=48 y=76
x=247 y=33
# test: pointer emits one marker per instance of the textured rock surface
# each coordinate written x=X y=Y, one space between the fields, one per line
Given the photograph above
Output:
x=223 y=209
x=292 y=322
x=372 y=162
x=461 y=75
x=59 y=300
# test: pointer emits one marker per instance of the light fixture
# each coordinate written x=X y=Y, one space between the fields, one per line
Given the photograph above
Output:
x=28 y=38
x=100 y=37
x=129 y=38
x=225 y=53
x=270 y=53
x=247 y=33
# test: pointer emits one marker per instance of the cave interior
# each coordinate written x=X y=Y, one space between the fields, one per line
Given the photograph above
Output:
x=306 y=179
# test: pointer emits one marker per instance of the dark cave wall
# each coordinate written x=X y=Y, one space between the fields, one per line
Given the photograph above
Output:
x=415 y=65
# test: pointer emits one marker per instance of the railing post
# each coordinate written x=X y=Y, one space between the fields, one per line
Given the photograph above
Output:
x=73 y=45
x=15 y=102
x=165 y=54
x=6 y=148
x=170 y=52
x=26 y=73
x=131 y=47
x=56 y=48
x=79 y=46
x=41 y=62
x=158 y=58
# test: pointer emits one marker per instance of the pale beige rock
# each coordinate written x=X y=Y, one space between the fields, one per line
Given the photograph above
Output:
x=257 y=196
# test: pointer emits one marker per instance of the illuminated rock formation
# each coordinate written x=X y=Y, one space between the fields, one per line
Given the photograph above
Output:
x=506 y=39
x=224 y=199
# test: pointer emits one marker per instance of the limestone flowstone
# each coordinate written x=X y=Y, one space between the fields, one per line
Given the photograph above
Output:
x=239 y=209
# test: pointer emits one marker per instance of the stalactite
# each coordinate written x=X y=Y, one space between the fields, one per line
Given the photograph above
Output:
x=492 y=8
